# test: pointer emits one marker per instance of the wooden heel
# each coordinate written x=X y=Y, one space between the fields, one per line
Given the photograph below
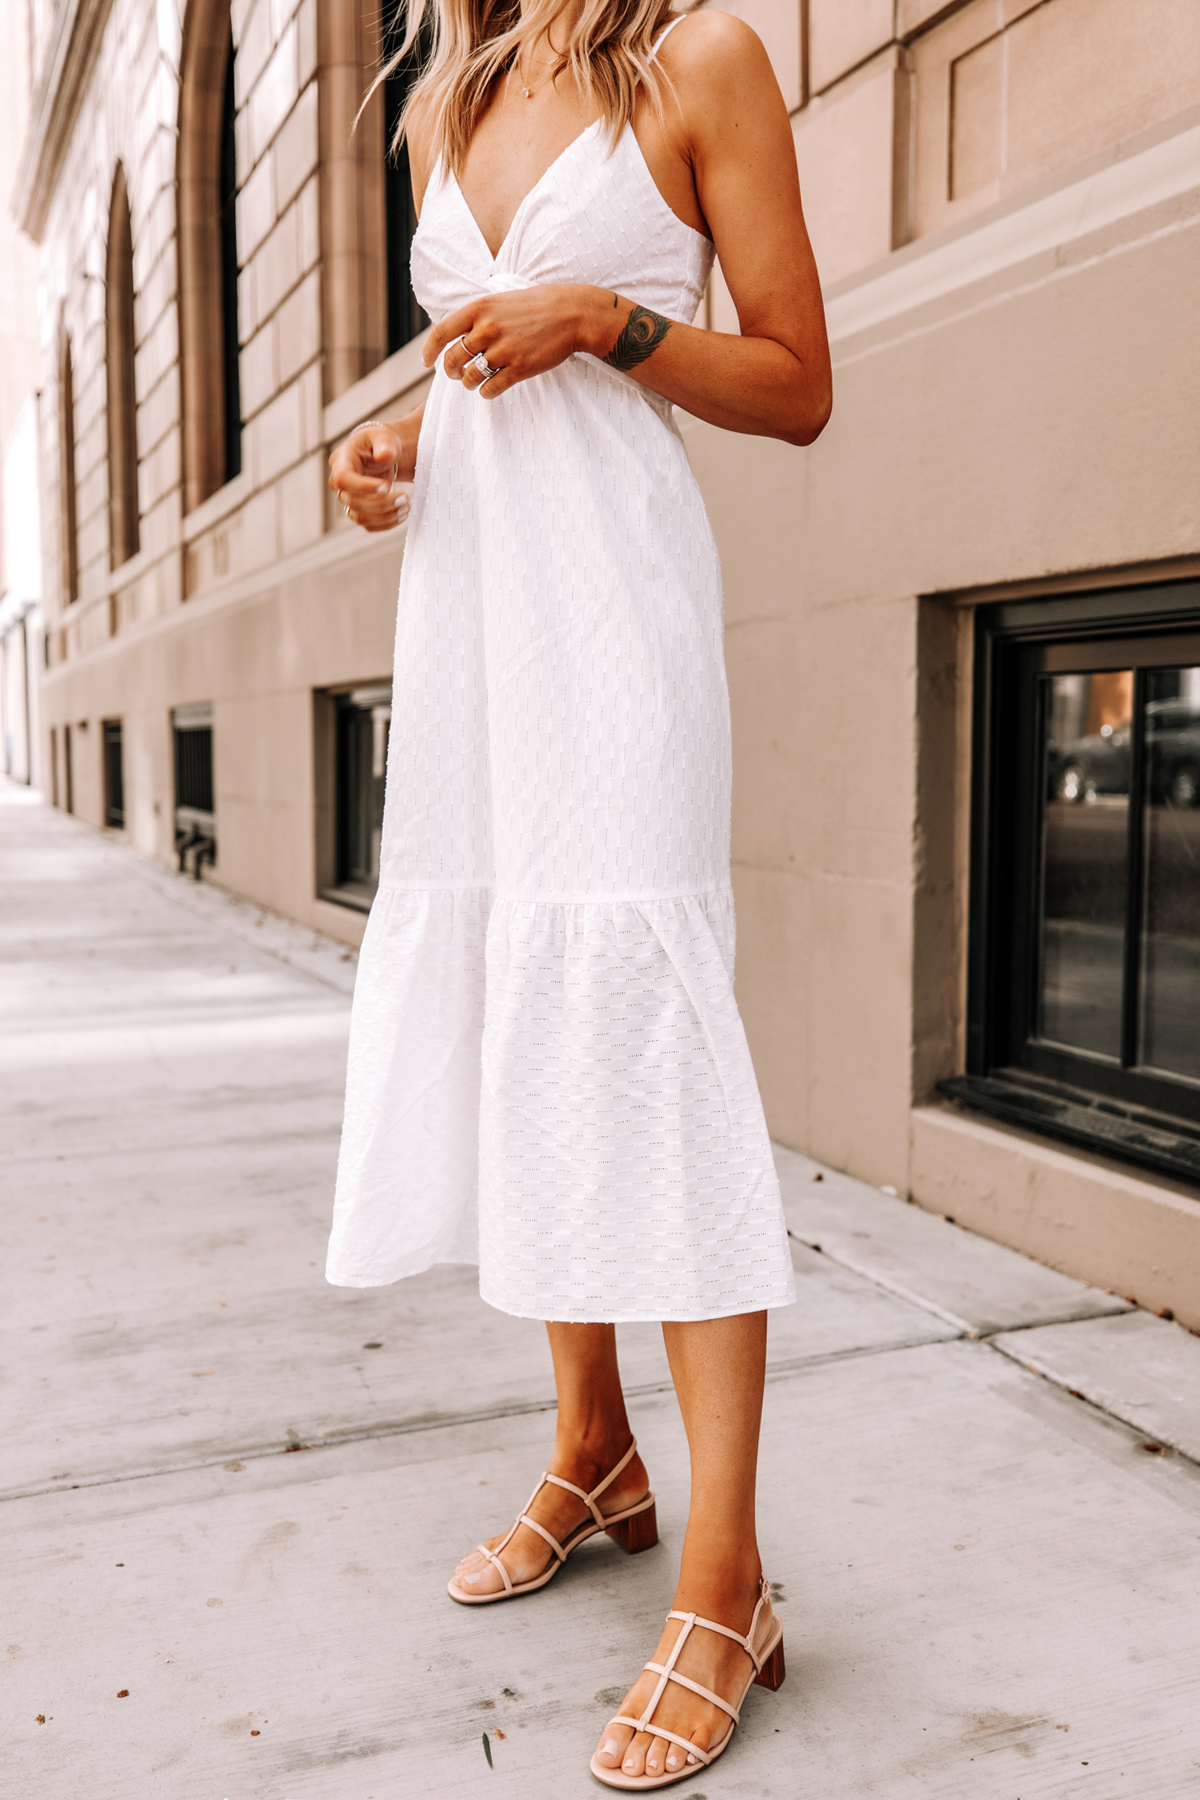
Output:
x=773 y=1671
x=638 y=1533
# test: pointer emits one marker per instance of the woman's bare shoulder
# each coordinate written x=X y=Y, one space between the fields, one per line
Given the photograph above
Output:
x=714 y=47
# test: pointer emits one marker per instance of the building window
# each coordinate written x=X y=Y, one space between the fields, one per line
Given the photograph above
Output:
x=195 y=816
x=208 y=258
x=114 y=775
x=230 y=269
x=1084 y=1001
x=68 y=770
x=123 y=534
x=405 y=318
x=356 y=740
x=54 y=801
x=69 y=561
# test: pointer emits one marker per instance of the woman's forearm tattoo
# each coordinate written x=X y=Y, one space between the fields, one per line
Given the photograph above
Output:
x=640 y=337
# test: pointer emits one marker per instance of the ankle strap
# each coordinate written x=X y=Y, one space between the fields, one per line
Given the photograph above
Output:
x=589 y=1500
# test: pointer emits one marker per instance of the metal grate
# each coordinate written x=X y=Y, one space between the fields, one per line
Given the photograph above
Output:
x=193 y=768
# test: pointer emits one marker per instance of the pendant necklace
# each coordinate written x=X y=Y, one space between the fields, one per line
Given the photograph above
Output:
x=527 y=93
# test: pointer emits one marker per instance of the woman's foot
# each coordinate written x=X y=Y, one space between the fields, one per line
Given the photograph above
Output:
x=713 y=1661
x=526 y=1555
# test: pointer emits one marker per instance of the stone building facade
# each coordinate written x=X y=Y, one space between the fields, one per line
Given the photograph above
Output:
x=962 y=629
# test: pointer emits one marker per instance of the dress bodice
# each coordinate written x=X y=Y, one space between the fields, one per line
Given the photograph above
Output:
x=596 y=216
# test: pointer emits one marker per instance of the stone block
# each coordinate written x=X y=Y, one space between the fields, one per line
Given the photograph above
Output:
x=774 y=956
x=312 y=411
x=274 y=93
x=295 y=150
x=306 y=26
x=159 y=412
x=301 y=499
x=842 y=34
x=277 y=435
x=277 y=266
x=859 y=1005
x=298 y=327
x=157 y=353
x=158 y=473
x=309 y=208
x=255 y=41
x=845 y=145
x=259 y=370
x=256 y=207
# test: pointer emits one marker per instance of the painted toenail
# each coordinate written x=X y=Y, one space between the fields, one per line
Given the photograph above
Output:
x=612 y=1748
x=691 y=1758
x=629 y=1763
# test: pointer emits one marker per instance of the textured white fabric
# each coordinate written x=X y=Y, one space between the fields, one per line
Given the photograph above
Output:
x=547 y=1068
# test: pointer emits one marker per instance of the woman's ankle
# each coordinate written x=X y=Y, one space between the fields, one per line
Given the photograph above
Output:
x=592 y=1451
x=722 y=1580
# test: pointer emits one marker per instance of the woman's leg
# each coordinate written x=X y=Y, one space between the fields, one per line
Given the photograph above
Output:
x=592 y=1436
x=718 y=1366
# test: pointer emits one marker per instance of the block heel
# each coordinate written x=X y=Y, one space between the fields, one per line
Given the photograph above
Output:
x=639 y=1532
x=773 y=1671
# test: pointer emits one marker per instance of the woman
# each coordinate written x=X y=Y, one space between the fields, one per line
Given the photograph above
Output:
x=547 y=1069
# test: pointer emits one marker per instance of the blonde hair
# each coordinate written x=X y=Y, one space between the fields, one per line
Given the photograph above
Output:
x=473 y=42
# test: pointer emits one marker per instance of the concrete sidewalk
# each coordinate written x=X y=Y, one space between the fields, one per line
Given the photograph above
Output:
x=232 y=1494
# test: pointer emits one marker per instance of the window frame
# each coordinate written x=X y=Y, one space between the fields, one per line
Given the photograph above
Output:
x=112 y=736
x=1118 y=1110
x=124 y=522
x=209 y=338
x=333 y=708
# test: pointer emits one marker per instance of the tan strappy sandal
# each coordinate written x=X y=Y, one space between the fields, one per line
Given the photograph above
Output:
x=635 y=1528
x=767 y=1670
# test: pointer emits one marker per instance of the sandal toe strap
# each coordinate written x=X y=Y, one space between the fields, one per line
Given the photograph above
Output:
x=695 y=1688
x=494 y=1559
x=660 y=1731
x=554 y=1544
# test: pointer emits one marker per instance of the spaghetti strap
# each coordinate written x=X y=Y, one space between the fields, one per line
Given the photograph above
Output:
x=664 y=34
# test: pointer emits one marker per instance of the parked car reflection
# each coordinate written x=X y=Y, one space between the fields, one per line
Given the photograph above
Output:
x=1099 y=764
x=1093 y=765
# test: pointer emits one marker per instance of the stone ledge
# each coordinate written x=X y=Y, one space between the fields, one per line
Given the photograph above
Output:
x=1101 y=1222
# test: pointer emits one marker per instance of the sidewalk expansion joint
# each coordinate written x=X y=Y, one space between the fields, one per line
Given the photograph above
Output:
x=986 y=1337
x=410 y=1427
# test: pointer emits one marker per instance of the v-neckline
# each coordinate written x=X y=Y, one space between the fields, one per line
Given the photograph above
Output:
x=526 y=198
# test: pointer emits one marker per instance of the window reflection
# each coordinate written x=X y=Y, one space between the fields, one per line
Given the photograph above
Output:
x=1169 y=1023
x=1084 y=885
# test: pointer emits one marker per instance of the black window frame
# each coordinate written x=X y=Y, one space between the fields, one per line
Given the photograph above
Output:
x=194 y=789
x=406 y=319
x=356 y=791
x=230 y=271
x=1123 y=1111
x=113 y=749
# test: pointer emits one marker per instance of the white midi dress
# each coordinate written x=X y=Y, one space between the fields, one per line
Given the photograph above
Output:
x=547 y=1070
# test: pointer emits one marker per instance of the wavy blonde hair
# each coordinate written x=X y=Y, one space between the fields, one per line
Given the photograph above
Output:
x=474 y=42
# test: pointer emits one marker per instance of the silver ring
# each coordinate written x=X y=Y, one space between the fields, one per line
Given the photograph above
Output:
x=485 y=368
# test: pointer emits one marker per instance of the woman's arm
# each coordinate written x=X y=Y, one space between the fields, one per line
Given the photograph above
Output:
x=731 y=132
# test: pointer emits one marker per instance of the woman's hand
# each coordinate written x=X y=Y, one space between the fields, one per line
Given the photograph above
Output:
x=522 y=334
x=364 y=470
